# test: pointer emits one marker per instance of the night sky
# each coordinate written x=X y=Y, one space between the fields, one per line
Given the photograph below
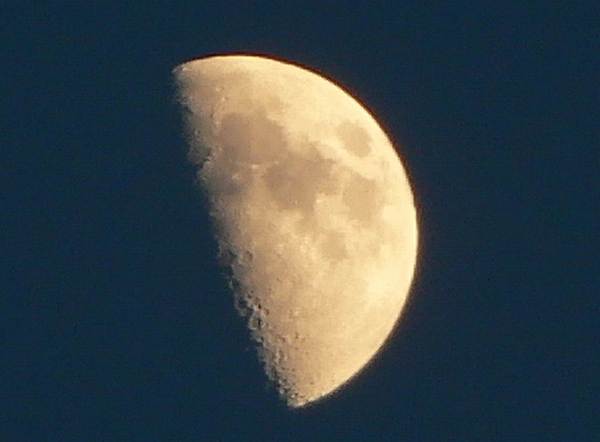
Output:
x=115 y=324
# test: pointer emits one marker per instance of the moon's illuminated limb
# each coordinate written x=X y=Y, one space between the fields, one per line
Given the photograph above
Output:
x=314 y=209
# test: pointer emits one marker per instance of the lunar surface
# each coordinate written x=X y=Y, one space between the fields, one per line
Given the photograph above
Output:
x=312 y=210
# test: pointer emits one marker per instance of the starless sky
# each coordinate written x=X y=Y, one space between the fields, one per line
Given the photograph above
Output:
x=115 y=323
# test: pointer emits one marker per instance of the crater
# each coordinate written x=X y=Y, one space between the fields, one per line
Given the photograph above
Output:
x=334 y=247
x=362 y=198
x=296 y=179
x=251 y=139
x=242 y=142
x=354 y=138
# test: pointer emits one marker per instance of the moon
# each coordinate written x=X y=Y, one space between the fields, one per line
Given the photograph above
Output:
x=312 y=210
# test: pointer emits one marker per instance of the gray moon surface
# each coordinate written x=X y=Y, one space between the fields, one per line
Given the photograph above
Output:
x=312 y=211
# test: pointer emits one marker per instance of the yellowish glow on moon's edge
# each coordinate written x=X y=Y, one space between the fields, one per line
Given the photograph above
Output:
x=314 y=208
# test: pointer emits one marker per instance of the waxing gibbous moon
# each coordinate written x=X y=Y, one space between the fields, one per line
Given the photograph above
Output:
x=312 y=210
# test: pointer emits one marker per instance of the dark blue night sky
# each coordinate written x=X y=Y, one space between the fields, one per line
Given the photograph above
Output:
x=114 y=320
